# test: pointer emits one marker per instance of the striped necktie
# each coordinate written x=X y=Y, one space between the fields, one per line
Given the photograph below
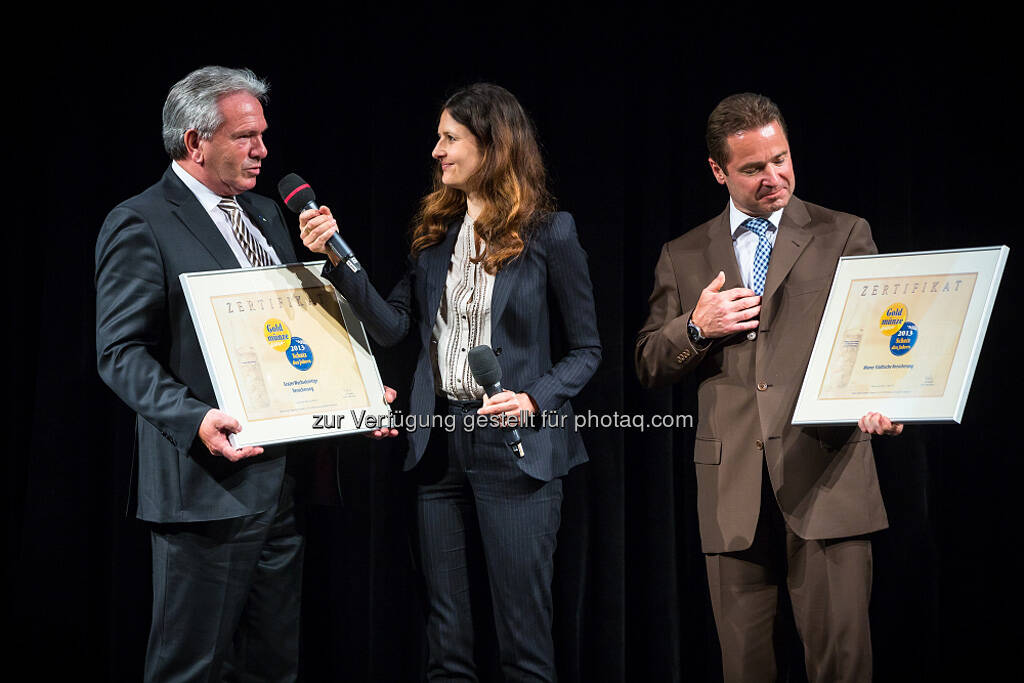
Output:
x=759 y=226
x=256 y=254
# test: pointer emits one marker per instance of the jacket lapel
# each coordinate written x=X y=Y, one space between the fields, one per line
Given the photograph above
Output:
x=435 y=262
x=503 y=282
x=722 y=254
x=793 y=238
x=188 y=210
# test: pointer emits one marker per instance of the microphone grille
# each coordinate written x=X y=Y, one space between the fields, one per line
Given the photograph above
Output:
x=484 y=365
x=295 y=192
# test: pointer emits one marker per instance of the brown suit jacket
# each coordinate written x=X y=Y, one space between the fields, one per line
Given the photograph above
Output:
x=824 y=477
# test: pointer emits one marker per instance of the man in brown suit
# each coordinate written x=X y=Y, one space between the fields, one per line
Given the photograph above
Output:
x=737 y=302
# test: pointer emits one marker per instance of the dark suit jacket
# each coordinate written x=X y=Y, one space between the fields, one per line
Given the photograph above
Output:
x=148 y=352
x=823 y=477
x=553 y=268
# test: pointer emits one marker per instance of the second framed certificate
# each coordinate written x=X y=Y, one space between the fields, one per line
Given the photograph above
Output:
x=901 y=335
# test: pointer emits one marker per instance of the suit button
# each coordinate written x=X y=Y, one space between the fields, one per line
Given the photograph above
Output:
x=682 y=357
x=752 y=335
x=762 y=386
x=759 y=445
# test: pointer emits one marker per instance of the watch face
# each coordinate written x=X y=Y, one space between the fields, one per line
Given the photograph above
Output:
x=699 y=340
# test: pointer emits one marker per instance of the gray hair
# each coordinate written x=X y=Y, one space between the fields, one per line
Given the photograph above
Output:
x=192 y=103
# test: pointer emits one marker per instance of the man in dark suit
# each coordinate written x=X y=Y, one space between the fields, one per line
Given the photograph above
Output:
x=227 y=552
x=736 y=302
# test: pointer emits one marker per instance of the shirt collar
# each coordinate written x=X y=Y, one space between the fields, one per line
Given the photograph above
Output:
x=736 y=218
x=207 y=197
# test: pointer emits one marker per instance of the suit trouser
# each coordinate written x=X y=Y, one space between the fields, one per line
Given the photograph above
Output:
x=471 y=495
x=226 y=597
x=829 y=584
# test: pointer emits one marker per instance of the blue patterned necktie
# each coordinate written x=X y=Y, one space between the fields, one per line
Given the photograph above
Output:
x=759 y=226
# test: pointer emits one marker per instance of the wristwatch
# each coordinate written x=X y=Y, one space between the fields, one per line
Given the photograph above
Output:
x=696 y=336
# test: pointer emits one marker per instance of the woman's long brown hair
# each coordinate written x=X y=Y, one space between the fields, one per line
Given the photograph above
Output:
x=511 y=179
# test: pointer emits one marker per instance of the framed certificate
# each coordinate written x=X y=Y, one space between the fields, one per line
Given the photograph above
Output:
x=287 y=356
x=901 y=335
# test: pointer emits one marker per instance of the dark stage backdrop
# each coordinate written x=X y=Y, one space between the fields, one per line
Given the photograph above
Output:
x=901 y=121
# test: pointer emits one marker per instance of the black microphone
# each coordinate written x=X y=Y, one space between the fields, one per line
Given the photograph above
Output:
x=487 y=373
x=298 y=196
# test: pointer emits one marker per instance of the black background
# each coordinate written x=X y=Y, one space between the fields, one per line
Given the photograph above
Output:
x=906 y=120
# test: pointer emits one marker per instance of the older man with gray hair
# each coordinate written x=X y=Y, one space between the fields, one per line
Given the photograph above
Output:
x=227 y=551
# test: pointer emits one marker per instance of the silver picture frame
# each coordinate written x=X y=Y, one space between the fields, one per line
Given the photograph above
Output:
x=900 y=335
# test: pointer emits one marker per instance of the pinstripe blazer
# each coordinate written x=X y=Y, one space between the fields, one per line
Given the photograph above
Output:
x=551 y=270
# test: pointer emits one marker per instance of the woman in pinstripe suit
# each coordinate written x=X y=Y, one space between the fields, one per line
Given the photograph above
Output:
x=491 y=263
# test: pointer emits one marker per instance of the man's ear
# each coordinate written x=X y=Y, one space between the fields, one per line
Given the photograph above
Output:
x=717 y=171
x=193 y=148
